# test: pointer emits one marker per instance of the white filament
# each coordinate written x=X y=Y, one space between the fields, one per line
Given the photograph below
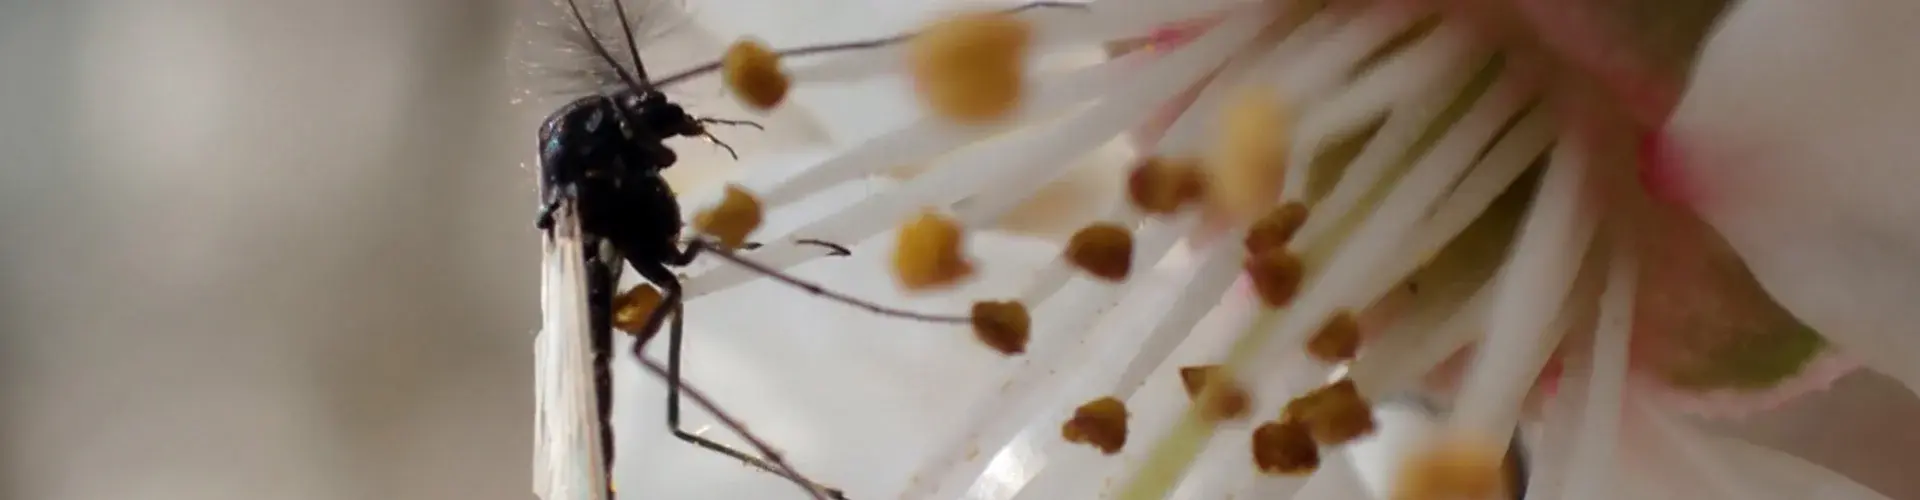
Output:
x=1065 y=476
x=1503 y=164
x=1440 y=61
x=1544 y=263
x=931 y=136
x=1186 y=130
x=1225 y=471
x=1387 y=148
x=1380 y=236
x=995 y=422
x=1589 y=466
x=1130 y=106
x=1417 y=344
x=1210 y=280
x=1417 y=100
x=1325 y=66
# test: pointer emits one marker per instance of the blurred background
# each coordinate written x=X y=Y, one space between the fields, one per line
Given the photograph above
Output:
x=283 y=249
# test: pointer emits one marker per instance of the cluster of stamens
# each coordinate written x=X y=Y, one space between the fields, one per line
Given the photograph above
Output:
x=968 y=69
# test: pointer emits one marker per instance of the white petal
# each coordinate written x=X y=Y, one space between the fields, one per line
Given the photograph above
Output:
x=1796 y=142
x=1787 y=476
x=1663 y=457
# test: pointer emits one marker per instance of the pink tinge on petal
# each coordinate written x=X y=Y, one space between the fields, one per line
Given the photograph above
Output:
x=1163 y=39
x=1176 y=35
x=1819 y=375
x=1661 y=172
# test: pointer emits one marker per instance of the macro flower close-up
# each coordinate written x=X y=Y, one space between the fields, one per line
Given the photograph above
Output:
x=1554 y=237
x=959 y=250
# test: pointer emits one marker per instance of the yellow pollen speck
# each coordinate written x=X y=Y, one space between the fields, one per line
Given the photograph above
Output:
x=752 y=72
x=1250 y=157
x=631 y=309
x=1452 y=468
x=969 y=67
x=928 y=253
x=737 y=215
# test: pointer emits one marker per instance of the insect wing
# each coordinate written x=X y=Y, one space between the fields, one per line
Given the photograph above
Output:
x=568 y=463
x=558 y=55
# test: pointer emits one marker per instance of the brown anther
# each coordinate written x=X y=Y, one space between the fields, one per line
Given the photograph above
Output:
x=752 y=71
x=1104 y=250
x=631 y=309
x=1276 y=276
x=969 y=67
x=1338 y=340
x=1283 y=448
x=737 y=215
x=928 y=253
x=1251 y=155
x=1218 y=396
x=1004 y=326
x=1334 y=414
x=1273 y=230
x=1451 y=468
x=1101 y=423
x=1194 y=378
x=1162 y=186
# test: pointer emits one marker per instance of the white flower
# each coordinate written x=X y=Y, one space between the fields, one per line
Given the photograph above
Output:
x=1472 y=183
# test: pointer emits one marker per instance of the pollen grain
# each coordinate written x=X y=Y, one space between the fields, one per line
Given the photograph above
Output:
x=737 y=215
x=1104 y=250
x=928 y=253
x=969 y=68
x=1002 y=325
x=752 y=72
x=1101 y=423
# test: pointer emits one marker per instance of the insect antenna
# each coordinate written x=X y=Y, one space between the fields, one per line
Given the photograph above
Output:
x=874 y=43
x=599 y=49
x=633 y=47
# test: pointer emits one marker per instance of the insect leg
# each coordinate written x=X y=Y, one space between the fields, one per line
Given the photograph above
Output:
x=671 y=303
x=833 y=249
x=698 y=246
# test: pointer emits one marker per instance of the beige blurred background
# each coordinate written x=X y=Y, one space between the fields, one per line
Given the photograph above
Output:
x=283 y=249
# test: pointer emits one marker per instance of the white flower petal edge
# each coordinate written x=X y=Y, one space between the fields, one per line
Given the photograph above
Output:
x=1676 y=461
x=1796 y=142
